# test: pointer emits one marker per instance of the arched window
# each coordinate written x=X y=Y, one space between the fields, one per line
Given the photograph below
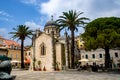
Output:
x=42 y=49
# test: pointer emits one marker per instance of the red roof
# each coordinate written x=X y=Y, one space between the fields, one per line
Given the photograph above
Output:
x=8 y=43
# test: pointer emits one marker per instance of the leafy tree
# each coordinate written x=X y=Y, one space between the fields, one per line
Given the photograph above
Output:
x=103 y=33
x=71 y=20
x=21 y=32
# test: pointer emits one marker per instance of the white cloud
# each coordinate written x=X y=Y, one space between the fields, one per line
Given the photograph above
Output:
x=33 y=25
x=3 y=13
x=56 y=7
x=91 y=8
x=4 y=16
x=3 y=32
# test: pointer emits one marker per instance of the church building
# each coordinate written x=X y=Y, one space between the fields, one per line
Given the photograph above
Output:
x=49 y=49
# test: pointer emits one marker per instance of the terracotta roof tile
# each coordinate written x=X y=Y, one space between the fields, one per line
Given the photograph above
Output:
x=8 y=43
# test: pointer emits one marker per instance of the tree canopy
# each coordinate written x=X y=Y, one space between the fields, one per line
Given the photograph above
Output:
x=102 y=32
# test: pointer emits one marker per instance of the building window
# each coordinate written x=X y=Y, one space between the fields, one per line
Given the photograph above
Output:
x=16 y=47
x=100 y=55
x=116 y=54
x=93 y=55
x=12 y=47
x=29 y=53
x=86 y=56
x=42 y=49
x=16 y=55
x=11 y=55
x=48 y=30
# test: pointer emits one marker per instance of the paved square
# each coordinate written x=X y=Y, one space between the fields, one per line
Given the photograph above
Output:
x=63 y=75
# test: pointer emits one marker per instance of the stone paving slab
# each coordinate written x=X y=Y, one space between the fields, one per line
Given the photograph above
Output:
x=63 y=75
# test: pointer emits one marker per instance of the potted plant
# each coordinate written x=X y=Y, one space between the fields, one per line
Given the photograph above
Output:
x=57 y=66
x=44 y=69
x=34 y=66
x=34 y=60
x=39 y=63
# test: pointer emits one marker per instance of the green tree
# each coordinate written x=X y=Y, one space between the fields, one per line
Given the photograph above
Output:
x=103 y=33
x=21 y=32
x=71 y=20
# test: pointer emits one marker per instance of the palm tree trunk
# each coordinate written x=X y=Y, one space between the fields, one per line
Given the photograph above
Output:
x=107 y=58
x=72 y=49
x=22 y=54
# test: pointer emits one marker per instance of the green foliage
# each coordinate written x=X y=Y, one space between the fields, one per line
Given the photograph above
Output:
x=21 y=32
x=39 y=62
x=102 y=32
x=33 y=64
x=71 y=20
x=34 y=59
x=3 y=58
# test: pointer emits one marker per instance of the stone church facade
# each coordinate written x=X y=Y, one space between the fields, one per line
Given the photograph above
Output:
x=49 y=49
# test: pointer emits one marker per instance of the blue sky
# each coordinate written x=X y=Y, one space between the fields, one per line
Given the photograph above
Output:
x=35 y=13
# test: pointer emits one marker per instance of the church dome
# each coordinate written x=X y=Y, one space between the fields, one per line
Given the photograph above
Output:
x=51 y=23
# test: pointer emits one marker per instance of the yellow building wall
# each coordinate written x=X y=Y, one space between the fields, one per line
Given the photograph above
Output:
x=14 y=54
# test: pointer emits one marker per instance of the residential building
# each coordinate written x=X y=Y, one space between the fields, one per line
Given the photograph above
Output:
x=11 y=49
x=98 y=56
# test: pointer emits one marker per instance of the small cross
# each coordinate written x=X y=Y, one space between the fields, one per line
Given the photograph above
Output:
x=52 y=17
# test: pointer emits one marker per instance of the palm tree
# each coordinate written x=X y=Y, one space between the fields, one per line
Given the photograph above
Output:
x=71 y=20
x=21 y=32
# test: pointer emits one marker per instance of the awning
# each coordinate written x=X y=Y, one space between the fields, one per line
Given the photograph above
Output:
x=94 y=60
x=83 y=60
x=15 y=61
